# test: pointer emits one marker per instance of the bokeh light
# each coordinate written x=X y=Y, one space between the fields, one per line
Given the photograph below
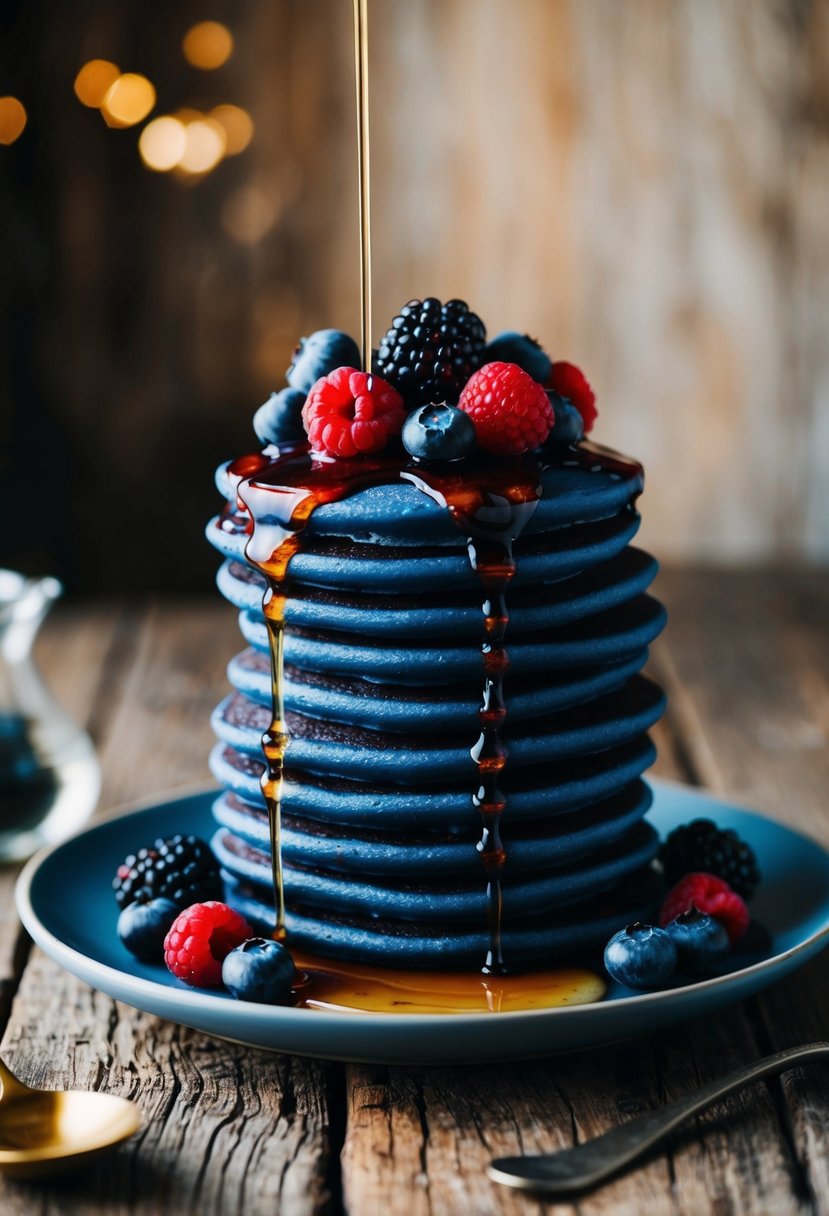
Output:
x=238 y=127
x=207 y=45
x=12 y=119
x=204 y=146
x=129 y=99
x=162 y=143
x=94 y=80
x=249 y=213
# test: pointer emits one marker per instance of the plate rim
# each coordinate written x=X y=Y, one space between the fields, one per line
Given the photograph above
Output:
x=249 y=1013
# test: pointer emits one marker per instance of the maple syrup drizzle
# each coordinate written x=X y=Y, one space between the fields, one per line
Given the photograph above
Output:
x=490 y=504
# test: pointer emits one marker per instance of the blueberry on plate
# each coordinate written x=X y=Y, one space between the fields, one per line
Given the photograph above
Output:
x=568 y=427
x=259 y=970
x=438 y=432
x=640 y=956
x=279 y=420
x=700 y=940
x=512 y=347
x=320 y=354
x=142 y=927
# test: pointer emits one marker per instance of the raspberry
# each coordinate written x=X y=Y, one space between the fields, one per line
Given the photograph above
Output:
x=709 y=894
x=569 y=381
x=512 y=413
x=199 y=940
x=350 y=413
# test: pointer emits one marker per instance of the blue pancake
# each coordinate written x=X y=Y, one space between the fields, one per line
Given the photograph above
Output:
x=577 y=783
x=383 y=678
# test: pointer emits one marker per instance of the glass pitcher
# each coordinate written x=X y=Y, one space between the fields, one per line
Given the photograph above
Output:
x=49 y=775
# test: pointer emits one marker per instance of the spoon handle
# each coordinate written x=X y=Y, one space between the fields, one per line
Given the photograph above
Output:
x=573 y=1169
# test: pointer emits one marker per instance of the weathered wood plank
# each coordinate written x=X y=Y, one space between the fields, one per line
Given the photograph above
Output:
x=228 y=1130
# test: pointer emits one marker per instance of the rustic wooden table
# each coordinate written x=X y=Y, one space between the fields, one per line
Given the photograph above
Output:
x=230 y=1130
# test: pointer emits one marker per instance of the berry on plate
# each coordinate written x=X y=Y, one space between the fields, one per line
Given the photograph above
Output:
x=142 y=928
x=700 y=940
x=350 y=413
x=570 y=381
x=438 y=432
x=431 y=349
x=180 y=868
x=701 y=845
x=640 y=956
x=709 y=894
x=323 y=352
x=259 y=970
x=512 y=347
x=279 y=420
x=568 y=428
x=511 y=411
x=200 y=939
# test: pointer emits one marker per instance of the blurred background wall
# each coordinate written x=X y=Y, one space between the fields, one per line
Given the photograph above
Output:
x=642 y=184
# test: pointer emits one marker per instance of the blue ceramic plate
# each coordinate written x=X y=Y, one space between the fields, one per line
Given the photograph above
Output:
x=65 y=901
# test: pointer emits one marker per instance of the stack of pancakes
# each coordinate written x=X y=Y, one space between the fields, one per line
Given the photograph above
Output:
x=382 y=683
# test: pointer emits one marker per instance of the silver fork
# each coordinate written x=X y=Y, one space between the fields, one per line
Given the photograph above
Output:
x=585 y=1165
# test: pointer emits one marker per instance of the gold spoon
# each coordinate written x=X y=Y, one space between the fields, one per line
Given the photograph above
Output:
x=52 y=1132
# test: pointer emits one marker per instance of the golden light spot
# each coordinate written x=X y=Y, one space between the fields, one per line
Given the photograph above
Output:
x=12 y=119
x=238 y=127
x=162 y=143
x=207 y=45
x=187 y=114
x=248 y=214
x=129 y=99
x=204 y=146
x=94 y=80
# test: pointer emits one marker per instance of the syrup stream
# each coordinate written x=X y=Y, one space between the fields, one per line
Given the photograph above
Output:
x=364 y=163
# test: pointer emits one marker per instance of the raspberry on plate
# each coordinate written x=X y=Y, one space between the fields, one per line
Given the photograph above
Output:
x=570 y=381
x=511 y=411
x=708 y=894
x=351 y=413
x=199 y=941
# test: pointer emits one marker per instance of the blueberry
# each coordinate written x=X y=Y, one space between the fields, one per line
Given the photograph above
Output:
x=438 y=432
x=279 y=420
x=142 y=928
x=259 y=970
x=568 y=427
x=640 y=956
x=320 y=354
x=512 y=347
x=700 y=940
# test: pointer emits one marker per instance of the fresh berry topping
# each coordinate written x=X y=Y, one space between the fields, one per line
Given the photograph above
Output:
x=569 y=381
x=512 y=347
x=279 y=420
x=640 y=956
x=700 y=940
x=200 y=939
x=259 y=970
x=323 y=352
x=568 y=428
x=350 y=413
x=431 y=349
x=701 y=845
x=438 y=432
x=181 y=868
x=709 y=894
x=511 y=412
x=143 y=927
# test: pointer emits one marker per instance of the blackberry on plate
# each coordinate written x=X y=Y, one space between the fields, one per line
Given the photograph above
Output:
x=180 y=868
x=430 y=350
x=702 y=846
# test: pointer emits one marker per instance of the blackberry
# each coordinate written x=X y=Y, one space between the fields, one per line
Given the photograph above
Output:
x=430 y=351
x=181 y=869
x=702 y=846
